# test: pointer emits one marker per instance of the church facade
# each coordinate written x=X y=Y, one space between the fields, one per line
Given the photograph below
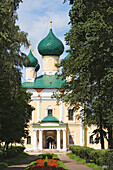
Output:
x=51 y=126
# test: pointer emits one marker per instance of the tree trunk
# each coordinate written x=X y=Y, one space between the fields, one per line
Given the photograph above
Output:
x=100 y=117
x=110 y=138
x=101 y=137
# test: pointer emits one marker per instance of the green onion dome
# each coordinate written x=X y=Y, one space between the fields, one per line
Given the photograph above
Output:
x=51 y=45
x=50 y=118
x=30 y=60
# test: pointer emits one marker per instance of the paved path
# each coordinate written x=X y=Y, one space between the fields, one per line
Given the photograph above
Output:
x=70 y=164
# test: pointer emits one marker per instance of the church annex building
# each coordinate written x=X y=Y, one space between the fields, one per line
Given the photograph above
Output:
x=51 y=126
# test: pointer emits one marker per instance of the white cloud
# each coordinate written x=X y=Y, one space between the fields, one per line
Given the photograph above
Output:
x=34 y=17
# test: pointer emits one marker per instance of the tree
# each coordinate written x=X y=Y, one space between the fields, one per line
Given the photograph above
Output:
x=90 y=64
x=14 y=108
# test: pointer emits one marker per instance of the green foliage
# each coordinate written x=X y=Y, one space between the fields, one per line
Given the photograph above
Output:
x=11 y=152
x=61 y=164
x=97 y=156
x=90 y=65
x=46 y=161
x=13 y=160
x=32 y=163
x=109 y=158
x=44 y=155
x=47 y=156
x=83 y=161
x=3 y=165
x=14 y=111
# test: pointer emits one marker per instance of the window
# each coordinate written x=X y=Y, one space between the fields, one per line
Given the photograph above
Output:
x=29 y=140
x=71 y=114
x=91 y=139
x=49 y=111
x=71 y=138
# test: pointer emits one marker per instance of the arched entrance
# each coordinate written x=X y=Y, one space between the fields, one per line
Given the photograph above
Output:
x=50 y=142
x=49 y=139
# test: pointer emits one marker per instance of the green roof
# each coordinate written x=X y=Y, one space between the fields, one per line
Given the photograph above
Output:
x=30 y=60
x=45 y=81
x=50 y=118
x=51 y=45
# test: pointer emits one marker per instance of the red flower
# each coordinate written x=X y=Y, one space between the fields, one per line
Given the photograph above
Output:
x=40 y=164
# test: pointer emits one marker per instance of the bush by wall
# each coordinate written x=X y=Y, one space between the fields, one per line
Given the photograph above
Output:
x=98 y=156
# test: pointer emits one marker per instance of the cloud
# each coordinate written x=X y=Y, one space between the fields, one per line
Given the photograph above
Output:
x=34 y=17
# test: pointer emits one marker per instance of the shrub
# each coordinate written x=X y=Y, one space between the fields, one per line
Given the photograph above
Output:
x=11 y=152
x=46 y=161
x=109 y=158
x=1 y=154
x=43 y=156
x=3 y=165
x=98 y=156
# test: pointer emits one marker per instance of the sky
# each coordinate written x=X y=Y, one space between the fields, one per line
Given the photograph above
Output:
x=34 y=18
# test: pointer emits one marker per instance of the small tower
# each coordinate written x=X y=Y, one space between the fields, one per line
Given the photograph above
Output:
x=50 y=48
x=32 y=66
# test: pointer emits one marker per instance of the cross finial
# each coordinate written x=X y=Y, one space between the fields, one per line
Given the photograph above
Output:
x=30 y=45
x=30 y=42
x=51 y=20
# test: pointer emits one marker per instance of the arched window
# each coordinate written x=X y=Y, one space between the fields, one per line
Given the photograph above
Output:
x=29 y=140
x=49 y=109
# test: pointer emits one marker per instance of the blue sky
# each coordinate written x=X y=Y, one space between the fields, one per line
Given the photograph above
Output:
x=34 y=18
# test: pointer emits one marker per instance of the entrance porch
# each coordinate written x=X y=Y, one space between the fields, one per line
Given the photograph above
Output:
x=49 y=138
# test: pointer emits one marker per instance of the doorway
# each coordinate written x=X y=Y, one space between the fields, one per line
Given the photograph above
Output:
x=50 y=142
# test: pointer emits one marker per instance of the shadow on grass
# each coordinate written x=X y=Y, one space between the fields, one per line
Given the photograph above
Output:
x=22 y=164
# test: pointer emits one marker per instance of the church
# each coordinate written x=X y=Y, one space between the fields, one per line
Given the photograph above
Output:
x=51 y=126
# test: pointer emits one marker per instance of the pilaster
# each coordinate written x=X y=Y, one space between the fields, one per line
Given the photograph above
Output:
x=38 y=110
x=40 y=139
x=58 y=139
x=34 y=139
x=61 y=111
x=64 y=139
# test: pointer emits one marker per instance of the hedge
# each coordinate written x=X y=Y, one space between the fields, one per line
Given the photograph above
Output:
x=98 y=156
x=11 y=152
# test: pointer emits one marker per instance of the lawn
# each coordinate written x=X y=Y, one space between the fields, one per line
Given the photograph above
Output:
x=10 y=161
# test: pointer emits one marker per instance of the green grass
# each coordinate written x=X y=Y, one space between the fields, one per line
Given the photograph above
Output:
x=81 y=160
x=61 y=164
x=11 y=161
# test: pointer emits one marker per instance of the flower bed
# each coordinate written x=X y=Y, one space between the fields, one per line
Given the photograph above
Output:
x=46 y=162
x=52 y=163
